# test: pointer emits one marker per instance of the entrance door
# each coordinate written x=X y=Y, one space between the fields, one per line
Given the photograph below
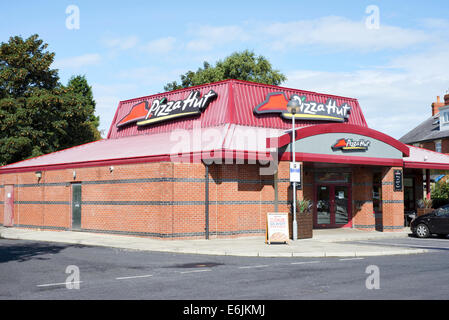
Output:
x=76 y=206
x=333 y=208
x=8 y=217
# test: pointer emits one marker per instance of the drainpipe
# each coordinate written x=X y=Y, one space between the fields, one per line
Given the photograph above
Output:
x=276 y=197
x=207 y=201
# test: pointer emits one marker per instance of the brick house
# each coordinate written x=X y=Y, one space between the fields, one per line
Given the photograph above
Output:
x=432 y=134
x=212 y=161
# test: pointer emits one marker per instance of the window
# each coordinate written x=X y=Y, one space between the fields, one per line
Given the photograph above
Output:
x=446 y=116
x=443 y=211
x=438 y=146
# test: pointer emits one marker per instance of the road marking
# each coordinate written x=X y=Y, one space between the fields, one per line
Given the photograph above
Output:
x=134 y=277
x=304 y=262
x=432 y=239
x=345 y=259
x=57 y=284
x=403 y=245
x=258 y=266
x=201 y=270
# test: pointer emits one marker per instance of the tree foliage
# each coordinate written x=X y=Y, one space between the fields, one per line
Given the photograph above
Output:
x=239 y=65
x=440 y=194
x=38 y=115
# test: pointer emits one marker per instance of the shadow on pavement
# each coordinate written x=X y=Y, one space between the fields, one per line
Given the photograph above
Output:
x=27 y=251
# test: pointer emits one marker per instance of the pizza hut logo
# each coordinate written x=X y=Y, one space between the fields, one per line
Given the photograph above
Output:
x=276 y=102
x=351 y=145
x=162 y=109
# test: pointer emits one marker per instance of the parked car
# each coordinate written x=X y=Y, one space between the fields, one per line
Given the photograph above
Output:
x=436 y=222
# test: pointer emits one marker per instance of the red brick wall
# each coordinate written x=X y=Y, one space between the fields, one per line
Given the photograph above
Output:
x=430 y=145
x=167 y=200
x=392 y=202
x=173 y=203
x=362 y=199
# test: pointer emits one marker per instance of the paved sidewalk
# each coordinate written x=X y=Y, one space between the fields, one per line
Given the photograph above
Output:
x=325 y=243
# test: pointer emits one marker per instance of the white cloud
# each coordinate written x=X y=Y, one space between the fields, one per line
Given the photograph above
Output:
x=121 y=43
x=208 y=37
x=342 y=33
x=160 y=46
x=435 y=23
x=78 y=61
x=394 y=98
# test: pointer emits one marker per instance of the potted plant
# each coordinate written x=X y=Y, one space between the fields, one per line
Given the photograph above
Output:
x=303 y=206
x=304 y=218
x=424 y=206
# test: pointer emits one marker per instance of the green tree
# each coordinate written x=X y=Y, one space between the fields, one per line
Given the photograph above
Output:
x=79 y=86
x=38 y=115
x=440 y=194
x=243 y=65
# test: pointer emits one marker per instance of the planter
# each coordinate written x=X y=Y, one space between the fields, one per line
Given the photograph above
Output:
x=305 y=224
x=422 y=211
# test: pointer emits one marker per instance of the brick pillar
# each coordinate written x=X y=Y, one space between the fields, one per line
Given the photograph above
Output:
x=166 y=221
x=362 y=194
x=392 y=202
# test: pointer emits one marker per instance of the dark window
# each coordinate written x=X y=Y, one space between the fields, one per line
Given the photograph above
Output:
x=409 y=194
x=377 y=192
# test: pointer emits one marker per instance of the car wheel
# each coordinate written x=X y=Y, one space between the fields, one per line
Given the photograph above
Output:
x=422 y=231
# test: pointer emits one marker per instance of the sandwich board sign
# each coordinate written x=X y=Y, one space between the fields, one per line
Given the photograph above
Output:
x=277 y=227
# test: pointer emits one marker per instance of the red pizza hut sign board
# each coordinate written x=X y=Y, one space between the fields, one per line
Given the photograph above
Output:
x=351 y=145
x=276 y=102
x=163 y=109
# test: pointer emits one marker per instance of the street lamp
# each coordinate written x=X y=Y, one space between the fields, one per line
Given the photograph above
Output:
x=293 y=108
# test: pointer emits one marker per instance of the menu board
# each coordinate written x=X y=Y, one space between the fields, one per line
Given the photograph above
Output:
x=277 y=227
x=397 y=180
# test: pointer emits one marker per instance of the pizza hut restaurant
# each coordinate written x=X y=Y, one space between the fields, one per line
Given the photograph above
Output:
x=211 y=161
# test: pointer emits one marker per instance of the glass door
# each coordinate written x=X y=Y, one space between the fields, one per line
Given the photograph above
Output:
x=341 y=212
x=323 y=208
x=332 y=206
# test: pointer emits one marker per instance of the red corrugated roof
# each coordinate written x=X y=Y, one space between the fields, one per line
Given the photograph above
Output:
x=177 y=145
x=235 y=104
x=229 y=114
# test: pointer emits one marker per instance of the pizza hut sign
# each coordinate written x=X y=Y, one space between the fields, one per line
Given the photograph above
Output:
x=276 y=102
x=163 y=109
x=347 y=144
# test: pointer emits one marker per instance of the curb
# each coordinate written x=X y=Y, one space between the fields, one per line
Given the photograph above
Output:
x=256 y=253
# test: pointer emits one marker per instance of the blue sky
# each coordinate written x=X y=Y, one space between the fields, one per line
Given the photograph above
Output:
x=129 y=49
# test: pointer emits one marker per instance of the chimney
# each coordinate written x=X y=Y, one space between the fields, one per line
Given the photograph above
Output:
x=436 y=105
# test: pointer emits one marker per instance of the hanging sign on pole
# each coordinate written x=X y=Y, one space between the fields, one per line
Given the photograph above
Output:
x=295 y=172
